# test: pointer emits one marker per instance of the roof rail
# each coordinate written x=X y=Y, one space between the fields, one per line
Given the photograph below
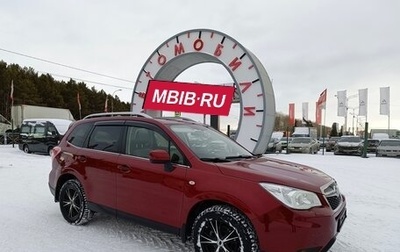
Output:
x=177 y=118
x=111 y=114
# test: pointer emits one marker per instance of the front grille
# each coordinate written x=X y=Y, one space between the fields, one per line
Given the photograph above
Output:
x=334 y=201
x=333 y=196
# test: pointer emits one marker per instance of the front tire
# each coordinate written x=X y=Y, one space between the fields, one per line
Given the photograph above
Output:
x=26 y=149
x=73 y=203
x=223 y=228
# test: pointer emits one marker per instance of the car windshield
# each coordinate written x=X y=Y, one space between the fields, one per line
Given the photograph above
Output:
x=209 y=144
x=390 y=143
x=350 y=139
x=301 y=140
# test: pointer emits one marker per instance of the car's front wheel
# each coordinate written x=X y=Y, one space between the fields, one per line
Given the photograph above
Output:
x=26 y=149
x=223 y=228
x=73 y=203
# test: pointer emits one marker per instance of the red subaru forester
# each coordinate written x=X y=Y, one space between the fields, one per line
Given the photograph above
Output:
x=189 y=179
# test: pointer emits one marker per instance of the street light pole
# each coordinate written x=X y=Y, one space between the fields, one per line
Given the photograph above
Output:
x=113 y=97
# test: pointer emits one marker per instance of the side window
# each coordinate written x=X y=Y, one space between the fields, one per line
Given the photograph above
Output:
x=38 y=130
x=79 y=134
x=140 y=141
x=51 y=130
x=105 y=138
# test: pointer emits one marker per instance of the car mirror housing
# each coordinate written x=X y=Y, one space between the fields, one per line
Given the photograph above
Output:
x=159 y=156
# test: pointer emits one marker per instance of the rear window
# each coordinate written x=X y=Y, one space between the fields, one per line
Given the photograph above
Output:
x=79 y=134
x=390 y=143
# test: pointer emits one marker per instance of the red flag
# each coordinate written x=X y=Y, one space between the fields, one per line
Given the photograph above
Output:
x=318 y=118
x=79 y=101
x=322 y=99
x=291 y=114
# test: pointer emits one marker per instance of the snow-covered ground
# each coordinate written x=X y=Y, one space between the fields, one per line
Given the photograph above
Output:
x=31 y=221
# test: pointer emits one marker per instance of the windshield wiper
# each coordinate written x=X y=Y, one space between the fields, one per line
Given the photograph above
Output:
x=215 y=160
x=239 y=157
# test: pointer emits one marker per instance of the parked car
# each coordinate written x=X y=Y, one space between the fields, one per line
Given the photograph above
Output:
x=303 y=145
x=331 y=143
x=41 y=135
x=285 y=141
x=348 y=145
x=274 y=146
x=192 y=180
x=388 y=148
x=322 y=142
x=372 y=144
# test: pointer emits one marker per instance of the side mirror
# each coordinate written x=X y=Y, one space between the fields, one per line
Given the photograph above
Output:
x=161 y=157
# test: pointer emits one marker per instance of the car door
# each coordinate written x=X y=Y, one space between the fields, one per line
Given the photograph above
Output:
x=145 y=189
x=98 y=161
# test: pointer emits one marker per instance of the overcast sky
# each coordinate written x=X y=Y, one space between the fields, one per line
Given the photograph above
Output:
x=305 y=46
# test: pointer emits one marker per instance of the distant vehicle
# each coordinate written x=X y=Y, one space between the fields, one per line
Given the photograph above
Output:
x=285 y=141
x=380 y=136
x=305 y=132
x=372 y=144
x=348 y=145
x=303 y=145
x=41 y=135
x=322 y=142
x=331 y=143
x=388 y=148
x=23 y=112
x=274 y=146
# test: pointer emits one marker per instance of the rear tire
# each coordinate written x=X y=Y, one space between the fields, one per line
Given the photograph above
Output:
x=223 y=228
x=73 y=203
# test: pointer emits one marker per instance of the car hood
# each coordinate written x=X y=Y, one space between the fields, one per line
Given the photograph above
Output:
x=348 y=144
x=299 y=145
x=276 y=171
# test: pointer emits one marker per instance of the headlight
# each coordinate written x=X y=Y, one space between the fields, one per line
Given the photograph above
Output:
x=293 y=197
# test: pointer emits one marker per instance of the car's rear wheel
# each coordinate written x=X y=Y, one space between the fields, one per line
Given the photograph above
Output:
x=223 y=228
x=73 y=203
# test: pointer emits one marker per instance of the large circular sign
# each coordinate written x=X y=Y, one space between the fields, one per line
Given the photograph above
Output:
x=254 y=88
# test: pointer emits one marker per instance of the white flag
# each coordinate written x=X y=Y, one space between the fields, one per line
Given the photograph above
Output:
x=363 y=102
x=305 y=110
x=385 y=101
x=342 y=103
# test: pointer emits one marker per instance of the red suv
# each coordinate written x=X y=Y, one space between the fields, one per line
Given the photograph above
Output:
x=190 y=179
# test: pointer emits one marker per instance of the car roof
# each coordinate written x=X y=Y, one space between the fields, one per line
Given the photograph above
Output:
x=139 y=117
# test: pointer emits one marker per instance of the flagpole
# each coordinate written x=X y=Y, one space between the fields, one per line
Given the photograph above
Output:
x=11 y=113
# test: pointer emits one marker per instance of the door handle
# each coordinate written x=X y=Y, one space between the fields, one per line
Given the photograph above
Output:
x=82 y=159
x=124 y=168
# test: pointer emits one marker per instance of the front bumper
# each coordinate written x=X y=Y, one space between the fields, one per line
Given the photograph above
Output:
x=289 y=230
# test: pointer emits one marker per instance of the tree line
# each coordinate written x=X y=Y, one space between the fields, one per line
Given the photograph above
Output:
x=31 y=88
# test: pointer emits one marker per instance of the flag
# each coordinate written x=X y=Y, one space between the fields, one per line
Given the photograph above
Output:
x=305 y=110
x=363 y=102
x=106 y=104
x=385 y=101
x=291 y=114
x=318 y=117
x=79 y=101
x=12 y=91
x=342 y=103
x=322 y=99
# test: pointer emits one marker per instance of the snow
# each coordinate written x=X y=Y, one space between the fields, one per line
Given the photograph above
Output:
x=31 y=221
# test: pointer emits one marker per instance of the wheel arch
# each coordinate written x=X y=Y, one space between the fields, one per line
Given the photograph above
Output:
x=186 y=229
x=61 y=180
